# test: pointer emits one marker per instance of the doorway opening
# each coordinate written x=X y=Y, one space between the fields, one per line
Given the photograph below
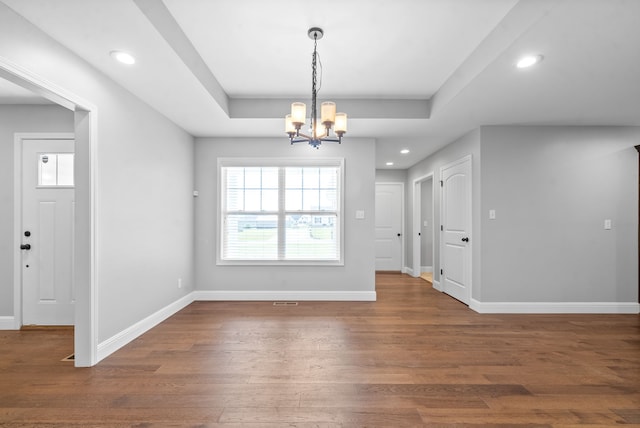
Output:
x=84 y=240
x=424 y=255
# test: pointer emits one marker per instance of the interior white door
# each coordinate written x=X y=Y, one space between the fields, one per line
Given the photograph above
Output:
x=455 y=257
x=389 y=226
x=47 y=235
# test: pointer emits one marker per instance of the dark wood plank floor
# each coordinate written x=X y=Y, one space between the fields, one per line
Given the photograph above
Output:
x=413 y=358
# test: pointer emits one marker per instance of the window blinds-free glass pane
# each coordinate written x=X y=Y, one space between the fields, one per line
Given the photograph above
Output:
x=253 y=199
x=311 y=237
x=251 y=188
x=293 y=200
x=310 y=178
x=293 y=178
x=252 y=178
x=270 y=200
x=251 y=237
x=293 y=189
x=270 y=178
x=311 y=189
x=269 y=185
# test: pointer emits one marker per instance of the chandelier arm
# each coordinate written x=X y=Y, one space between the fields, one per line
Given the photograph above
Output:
x=332 y=140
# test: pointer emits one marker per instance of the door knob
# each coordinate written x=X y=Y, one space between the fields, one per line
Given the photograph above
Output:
x=25 y=246
x=465 y=239
x=399 y=234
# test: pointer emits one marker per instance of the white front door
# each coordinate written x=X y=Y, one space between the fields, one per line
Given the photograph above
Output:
x=455 y=257
x=389 y=226
x=47 y=232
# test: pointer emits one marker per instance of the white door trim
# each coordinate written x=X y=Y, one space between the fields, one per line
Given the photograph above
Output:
x=86 y=119
x=18 y=140
x=402 y=226
x=417 y=211
x=467 y=158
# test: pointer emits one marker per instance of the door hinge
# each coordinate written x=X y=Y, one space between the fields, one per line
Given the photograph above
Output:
x=441 y=272
x=419 y=234
x=441 y=183
x=442 y=227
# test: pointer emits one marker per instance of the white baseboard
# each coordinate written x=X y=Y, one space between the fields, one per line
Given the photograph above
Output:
x=230 y=295
x=119 y=340
x=8 y=323
x=426 y=269
x=554 y=307
x=407 y=270
x=437 y=286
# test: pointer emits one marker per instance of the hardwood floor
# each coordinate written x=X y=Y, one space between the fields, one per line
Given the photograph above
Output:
x=415 y=357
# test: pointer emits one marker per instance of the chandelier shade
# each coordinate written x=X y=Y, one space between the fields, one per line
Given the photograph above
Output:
x=329 y=119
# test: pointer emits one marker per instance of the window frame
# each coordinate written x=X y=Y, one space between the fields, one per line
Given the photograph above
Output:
x=280 y=163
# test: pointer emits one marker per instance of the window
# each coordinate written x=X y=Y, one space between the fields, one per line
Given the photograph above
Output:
x=280 y=211
x=55 y=169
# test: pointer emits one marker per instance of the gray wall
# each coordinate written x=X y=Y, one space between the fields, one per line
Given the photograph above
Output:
x=358 y=272
x=391 y=176
x=19 y=118
x=552 y=188
x=144 y=218
x=468 y=144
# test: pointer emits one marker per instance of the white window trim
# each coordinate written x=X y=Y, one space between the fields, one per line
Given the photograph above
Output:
x=278 y=162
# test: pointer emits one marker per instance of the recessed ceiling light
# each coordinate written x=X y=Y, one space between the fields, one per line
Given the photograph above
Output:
x=389 y=163
x=123 y=57
x=404 y=151
x=528 y=61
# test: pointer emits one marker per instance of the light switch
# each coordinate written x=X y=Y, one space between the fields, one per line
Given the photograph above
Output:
x=492 y=214
x=426 y=223
x=359 y=214
x=607 y=224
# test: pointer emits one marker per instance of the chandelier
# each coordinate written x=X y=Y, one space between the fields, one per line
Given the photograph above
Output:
x=328 y=116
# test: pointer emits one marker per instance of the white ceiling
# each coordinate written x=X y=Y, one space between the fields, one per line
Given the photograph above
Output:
x=413 y=74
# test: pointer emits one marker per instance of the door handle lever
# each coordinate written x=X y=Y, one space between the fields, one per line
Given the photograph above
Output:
x=465 y=239
x=25 y=246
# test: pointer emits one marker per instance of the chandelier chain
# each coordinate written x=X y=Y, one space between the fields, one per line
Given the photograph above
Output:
x=314 y=94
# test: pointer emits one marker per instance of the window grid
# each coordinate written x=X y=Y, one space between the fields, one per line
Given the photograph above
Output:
x=307 y=231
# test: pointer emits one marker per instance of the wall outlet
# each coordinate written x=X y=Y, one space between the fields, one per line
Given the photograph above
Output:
x=607 y=224
x=179 y=282
x=492 y=214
